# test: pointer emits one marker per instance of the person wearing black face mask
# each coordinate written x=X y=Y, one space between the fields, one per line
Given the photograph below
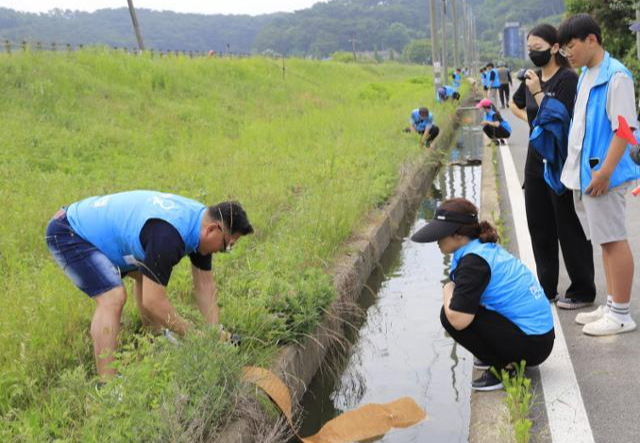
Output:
x=551 y=214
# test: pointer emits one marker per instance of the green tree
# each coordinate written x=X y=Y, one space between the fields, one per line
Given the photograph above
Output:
x=397 y=36
x=418 y=51
x=613 y=16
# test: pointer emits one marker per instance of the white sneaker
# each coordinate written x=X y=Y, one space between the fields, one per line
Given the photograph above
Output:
x=608 y=325
x=589 y=317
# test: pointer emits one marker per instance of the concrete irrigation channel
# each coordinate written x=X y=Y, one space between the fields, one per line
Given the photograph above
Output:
x=382 y=339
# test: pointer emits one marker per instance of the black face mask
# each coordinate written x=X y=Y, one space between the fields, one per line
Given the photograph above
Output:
x=540 y=58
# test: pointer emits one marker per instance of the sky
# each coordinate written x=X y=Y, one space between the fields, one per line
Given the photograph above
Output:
x=252 y=7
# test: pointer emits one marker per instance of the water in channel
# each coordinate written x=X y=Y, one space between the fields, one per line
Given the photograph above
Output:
x=399 y=346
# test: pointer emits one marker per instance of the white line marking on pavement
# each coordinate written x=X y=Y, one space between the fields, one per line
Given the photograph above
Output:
x=568 y=421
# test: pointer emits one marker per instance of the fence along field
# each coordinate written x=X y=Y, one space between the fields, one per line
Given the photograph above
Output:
x=307 y=156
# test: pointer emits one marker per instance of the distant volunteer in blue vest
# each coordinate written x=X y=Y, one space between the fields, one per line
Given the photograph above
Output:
x=493 y=124
x=493 y=81
x=599 y=168
x=456 y=78
x=484 y=79
x=422 y=122
x=444 y=93
x=493 y=306
x=142 y=234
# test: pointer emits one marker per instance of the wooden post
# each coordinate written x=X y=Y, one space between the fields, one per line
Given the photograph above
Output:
x=38 y=46
x=54 y=47
x=136 y=25
x=24 y=45
x=7 y=46
x=435 y=54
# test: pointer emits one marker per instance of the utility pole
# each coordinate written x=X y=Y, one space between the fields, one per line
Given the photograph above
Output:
x=445 y=67
x=456 y=37
x=435 y=55
x=638 y=33
x=353 y=47
x=136 y=25
x=465 y=34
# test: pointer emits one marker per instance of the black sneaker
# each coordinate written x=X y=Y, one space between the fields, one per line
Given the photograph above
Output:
x=486 y=382
x=573 y=303
x=479 y=364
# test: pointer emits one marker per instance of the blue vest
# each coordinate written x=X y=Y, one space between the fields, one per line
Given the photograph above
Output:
x=496 y=78
x=112 y=223
x=485 y=79
x=421 y=124
x=456 y=80
x=513 y=291
x=598 y=132
x=489 y=117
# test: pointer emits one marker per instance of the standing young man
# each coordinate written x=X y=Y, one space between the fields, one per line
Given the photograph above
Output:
x=598 y=167
x=143 y=234
x=504 y=75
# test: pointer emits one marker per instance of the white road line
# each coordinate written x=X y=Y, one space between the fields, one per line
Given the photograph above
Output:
x=568 y=421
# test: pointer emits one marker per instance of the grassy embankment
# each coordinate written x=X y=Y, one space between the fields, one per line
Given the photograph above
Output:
x=307 y=157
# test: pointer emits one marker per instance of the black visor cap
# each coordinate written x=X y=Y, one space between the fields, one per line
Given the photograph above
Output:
x=444 y=223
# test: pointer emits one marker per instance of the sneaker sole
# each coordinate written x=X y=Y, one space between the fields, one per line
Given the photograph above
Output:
x=582 y=322
x=619 y=331
x=481 y=367
x=572 y=306
x=488 y=388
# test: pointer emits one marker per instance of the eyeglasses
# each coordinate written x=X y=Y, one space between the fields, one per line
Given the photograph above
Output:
x=565 y=51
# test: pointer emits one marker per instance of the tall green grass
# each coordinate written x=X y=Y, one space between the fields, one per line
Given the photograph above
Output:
x=307 y=156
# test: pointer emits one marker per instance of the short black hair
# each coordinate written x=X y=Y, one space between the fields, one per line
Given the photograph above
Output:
x=423 y=111
x=233 y=216
x=490 y=64
x=578 y=26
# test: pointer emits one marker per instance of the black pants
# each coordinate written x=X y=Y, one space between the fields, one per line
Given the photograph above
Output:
x=504 y=94
x=433 y=133
x=493 y=132
x=497 y=341
x=552 y=220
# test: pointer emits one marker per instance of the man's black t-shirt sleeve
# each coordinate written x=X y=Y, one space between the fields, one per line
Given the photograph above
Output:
x=472 y=276
x=163 y=249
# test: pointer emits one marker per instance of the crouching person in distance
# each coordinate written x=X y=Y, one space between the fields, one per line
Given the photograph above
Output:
x=422 y=122
x=493 y=305
x=142 y=234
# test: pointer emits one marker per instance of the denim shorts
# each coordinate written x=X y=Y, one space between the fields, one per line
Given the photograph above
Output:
x=88 y=268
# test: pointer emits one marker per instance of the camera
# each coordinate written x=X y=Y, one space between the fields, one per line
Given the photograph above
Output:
x=522 y=74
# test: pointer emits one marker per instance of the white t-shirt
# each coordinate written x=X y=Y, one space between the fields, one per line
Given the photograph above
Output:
x=620 y=101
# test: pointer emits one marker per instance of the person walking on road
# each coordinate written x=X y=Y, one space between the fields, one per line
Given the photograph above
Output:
x=493 y=306
x=599 y=168
x=548 y=94
x=504 y=74
x=143 y=234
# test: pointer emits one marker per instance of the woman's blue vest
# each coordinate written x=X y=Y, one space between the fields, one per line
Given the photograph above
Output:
x=488 y=116
x=112 y=223
x=513 y=291
x=598 y=131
